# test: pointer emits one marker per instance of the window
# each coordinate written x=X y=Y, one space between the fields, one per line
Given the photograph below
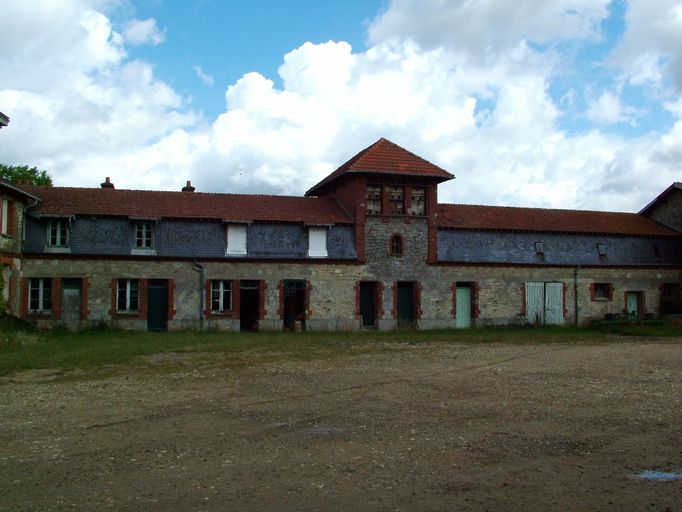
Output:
x=373 y=199
x=396 y=248
x=143 y=235
x=670 y=291
x=8 y=217
x=40 y=295
x=127 y=295
x=602 y=291
x=236 y=239
x=396 y=200
x=601 y=249
x=58 y=233
x=317 y=242
x=657 y=251
x=221 y=296
x=417 y=201
x=539 y=248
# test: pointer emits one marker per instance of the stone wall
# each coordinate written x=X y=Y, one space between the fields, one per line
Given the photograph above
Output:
x=668 y=211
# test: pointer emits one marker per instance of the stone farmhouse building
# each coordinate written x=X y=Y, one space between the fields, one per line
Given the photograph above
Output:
x=369 y=246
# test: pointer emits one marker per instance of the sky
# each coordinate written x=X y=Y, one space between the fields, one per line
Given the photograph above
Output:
x=561 y=104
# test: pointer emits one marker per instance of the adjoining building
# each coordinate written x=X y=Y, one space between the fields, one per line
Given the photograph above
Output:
x=367 y=247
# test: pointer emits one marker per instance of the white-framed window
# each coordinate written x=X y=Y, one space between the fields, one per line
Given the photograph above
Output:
x=236 y=239
x=5 y=216
x=40 y=295
x=143 y=235
x=127 y=295
x=221 y=296
x=58 y=233
x=317 y=242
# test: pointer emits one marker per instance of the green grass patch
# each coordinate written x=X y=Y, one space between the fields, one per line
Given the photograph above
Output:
x=23 y=348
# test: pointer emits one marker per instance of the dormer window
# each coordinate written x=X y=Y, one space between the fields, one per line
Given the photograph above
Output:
x=58 y=233
x=143 y=235
x=236 y=239
x=317 y=242
x=396 y=200
x=417 y=201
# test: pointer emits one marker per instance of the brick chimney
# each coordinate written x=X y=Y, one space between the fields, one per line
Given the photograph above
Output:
x=188 y=187
x=107 y=183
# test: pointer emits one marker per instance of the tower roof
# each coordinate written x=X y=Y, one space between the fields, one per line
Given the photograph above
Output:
x=385 y=157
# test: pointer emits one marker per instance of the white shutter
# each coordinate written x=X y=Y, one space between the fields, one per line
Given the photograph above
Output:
x=236 y=239
x=535 y=302
x=554 y=303
x=317 y=242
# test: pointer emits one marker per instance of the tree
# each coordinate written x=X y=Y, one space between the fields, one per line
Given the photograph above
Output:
x=15 y=173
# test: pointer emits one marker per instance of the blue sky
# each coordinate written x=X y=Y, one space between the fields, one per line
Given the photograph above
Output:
x=572 y=104
x=228 y=39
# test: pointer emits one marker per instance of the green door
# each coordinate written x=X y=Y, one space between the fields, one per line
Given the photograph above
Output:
x=463 y=307
x=157 y=312
x=631 y=305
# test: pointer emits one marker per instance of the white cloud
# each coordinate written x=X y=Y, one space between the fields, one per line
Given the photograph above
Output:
x=99 y=114
x=486 y=26
x=138 y=32
x=651 y=48
x=204 y=77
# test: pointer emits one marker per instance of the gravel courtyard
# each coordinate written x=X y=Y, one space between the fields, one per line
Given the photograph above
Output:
x=433 y=426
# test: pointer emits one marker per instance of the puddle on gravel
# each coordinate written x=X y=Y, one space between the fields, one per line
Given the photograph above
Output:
x=659 y=476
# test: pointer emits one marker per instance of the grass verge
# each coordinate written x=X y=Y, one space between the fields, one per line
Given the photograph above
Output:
x=22 y=348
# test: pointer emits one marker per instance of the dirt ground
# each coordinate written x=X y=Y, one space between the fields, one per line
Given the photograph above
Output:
x=424 y=427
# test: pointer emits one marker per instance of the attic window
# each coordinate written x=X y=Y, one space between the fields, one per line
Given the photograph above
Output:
x=601 y=249
x=236 y=239
x=396 y=200
x=417 y=201
x=373 y=200
x=539 y=248
x=317 y=242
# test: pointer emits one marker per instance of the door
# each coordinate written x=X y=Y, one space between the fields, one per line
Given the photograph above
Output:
x=632 y=303
x=554 y=303
x=294 y=304
x=405 y=306
x=545 y=303
x=367 y=306
x=535 y=302
x=71 y=303
x=463 y=307
x=157 y=305
x=249 y=294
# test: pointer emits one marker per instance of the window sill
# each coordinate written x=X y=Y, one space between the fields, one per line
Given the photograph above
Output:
x=601 y=299
x=58 y=250
x=139 y=251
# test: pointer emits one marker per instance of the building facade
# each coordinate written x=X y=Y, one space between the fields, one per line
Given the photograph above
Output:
x=367 y=247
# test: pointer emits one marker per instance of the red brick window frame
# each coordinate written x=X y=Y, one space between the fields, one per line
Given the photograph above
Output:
x=41 y=298
x=601 y=292
x=125 y=286
x=396 y=245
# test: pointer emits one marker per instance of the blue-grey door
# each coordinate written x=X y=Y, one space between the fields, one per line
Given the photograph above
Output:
x=157 y=305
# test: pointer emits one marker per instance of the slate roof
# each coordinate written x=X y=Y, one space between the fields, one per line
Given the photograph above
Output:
x=504 y=218
x=147 y=204
x=385 y=157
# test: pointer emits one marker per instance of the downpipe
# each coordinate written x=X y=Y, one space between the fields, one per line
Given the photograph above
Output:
x=575 y=295
x=198 y=267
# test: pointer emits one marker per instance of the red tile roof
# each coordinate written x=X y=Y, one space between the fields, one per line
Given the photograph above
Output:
x=385 y=157
x=505 y=218
x=63 y=201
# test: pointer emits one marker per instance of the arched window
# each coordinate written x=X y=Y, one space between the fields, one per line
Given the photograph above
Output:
x=396 y=247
